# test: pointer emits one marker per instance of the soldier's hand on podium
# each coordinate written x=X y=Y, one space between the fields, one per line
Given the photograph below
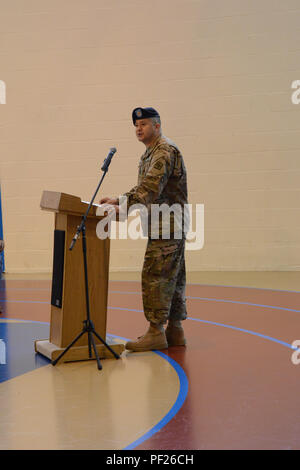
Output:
x=1 y=245
x=110 y=206
x=109 y=200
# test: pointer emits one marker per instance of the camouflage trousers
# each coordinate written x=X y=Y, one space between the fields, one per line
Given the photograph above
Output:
x=163 y=281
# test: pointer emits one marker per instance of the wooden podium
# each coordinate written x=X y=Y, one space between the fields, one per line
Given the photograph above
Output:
x=68 y=302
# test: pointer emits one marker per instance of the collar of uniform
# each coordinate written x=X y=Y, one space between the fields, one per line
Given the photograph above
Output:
x=153 y=146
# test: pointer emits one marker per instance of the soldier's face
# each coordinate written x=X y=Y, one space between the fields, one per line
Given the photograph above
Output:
x=146 y=131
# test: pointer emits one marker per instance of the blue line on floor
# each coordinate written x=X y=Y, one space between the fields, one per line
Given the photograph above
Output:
x=182 y=394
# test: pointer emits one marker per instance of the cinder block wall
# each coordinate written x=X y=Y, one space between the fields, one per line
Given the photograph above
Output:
x=220 y=73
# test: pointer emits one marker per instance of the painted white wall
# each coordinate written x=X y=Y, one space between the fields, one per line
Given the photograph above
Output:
x=220 y=74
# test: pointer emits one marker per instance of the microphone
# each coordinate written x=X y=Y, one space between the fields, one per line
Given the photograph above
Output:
x=74 y=240
x=107 y=161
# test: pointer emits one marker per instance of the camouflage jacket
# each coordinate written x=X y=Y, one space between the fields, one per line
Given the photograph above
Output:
x=161 y=180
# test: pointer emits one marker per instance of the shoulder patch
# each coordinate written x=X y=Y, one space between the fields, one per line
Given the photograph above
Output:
x=158 y=165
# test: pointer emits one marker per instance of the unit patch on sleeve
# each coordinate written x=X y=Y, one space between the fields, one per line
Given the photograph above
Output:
x=158 y=165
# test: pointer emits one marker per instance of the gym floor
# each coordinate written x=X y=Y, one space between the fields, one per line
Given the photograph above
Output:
x=234 y=386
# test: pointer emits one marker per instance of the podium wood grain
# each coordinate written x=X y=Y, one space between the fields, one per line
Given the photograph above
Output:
x=66 y=322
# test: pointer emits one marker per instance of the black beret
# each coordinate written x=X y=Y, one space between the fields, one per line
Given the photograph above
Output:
x=143 y=113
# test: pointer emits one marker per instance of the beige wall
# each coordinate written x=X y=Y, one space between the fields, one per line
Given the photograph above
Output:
x=219 y=72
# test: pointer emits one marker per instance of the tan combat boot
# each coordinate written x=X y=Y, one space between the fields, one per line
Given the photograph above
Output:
x=155 y=338
x=175 y=334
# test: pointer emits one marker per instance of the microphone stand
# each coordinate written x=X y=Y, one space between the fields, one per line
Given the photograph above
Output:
x=88 y=326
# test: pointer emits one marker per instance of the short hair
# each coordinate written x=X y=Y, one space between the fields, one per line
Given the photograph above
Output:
x=156 y=120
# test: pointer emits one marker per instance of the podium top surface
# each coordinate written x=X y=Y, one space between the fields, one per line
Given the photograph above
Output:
x=62 y=202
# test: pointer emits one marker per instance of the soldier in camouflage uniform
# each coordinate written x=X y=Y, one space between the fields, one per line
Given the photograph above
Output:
x=161 y=180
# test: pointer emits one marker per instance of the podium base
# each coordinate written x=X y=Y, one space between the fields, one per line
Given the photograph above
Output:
x=76 y=353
